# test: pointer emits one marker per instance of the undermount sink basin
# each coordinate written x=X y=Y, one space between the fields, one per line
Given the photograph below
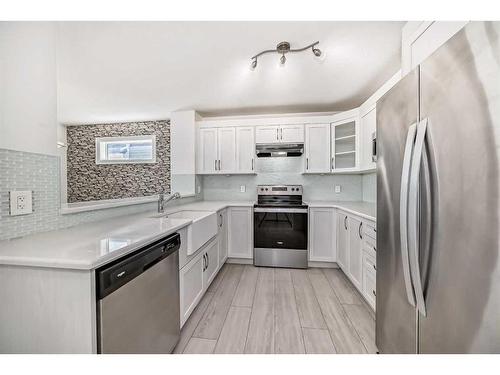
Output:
x=203 y=227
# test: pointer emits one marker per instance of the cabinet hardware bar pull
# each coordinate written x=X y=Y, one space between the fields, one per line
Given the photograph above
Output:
x=374 y=293
x=277 y=134
x=345 y=223
x=215 y=164
x=252 y=164
x=332 y=166
x=359 y=230
x=307 y=164
x=374 y=267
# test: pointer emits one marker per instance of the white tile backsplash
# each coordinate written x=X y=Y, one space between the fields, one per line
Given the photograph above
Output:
x=370 y=187
x=283 y=171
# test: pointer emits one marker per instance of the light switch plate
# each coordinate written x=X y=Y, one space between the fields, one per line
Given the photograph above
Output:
x=338 y=188
x=243 y=188
x=21 y=202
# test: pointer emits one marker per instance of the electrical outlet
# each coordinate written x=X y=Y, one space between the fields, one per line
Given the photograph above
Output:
x=21 y=202
x=243 y=188
x=338 y=188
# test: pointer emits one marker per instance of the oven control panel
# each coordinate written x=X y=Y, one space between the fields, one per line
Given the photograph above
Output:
x=279 y=190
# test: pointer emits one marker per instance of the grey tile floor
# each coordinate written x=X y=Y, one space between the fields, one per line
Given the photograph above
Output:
x=250 y=309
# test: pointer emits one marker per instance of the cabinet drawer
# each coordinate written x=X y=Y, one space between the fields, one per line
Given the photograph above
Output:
x=369 y=230
x=370 y=246
x=369 y=286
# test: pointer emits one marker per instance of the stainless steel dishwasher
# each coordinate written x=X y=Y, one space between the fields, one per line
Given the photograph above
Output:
x=138 y=300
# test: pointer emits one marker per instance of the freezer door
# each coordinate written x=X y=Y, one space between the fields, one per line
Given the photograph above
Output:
x=396 y=317
x=460 y=97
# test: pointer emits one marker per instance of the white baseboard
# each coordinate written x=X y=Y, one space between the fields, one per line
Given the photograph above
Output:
x=323 y=264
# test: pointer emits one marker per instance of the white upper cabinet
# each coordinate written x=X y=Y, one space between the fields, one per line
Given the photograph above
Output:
x=279 y=134
x=421 y=38
x=344 y=145
x=207 y=151
x=226 y=150
x=245 y=150
x=317 y=148
x=267 y=134
x=368 y=129
x=292 y=133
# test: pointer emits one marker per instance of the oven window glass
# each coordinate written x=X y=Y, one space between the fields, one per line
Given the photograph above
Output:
x=282 y=230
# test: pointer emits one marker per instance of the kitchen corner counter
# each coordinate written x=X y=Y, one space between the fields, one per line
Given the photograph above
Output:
x=88 y=246
x=366 y=210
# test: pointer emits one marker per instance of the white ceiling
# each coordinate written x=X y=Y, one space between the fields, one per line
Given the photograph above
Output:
x=121 y=71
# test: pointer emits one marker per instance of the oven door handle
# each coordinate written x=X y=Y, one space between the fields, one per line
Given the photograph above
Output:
x=281 y=210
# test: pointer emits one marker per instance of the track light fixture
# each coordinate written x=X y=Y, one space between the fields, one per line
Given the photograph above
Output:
x=284 y=48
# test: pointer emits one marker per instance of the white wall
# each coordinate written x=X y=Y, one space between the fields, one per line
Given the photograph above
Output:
x=28 y=99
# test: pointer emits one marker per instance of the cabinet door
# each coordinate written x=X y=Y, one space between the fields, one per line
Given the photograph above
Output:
x=317 y=147
x=207 y=151
x=322 y=240
x=222 y=236
x=355 y=251
x=226 y=141
x=191 y=286
x=240 y=232
x=368 y=127
x=245 y=150
x=267 y=134
x=345 y=144
x=292 y=133
x=342 y=242
x=211 y=263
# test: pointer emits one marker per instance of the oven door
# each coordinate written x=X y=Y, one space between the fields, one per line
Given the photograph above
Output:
x=281 y=228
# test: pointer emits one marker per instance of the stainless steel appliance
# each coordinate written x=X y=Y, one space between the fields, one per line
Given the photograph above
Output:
x=280 y=227
x=279 y=150
x=438 y=258
x=138 y=300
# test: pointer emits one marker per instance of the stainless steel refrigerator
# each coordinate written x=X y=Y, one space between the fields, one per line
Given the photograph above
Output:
x=438 y=196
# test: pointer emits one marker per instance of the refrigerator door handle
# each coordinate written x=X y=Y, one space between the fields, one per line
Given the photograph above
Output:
x=413 y=216
x=403 y=211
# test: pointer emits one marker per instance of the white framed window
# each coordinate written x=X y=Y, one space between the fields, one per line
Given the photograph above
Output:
x=125 y=150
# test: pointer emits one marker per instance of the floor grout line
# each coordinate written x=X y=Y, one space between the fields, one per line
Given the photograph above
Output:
x=252 y=309
x=297 y=310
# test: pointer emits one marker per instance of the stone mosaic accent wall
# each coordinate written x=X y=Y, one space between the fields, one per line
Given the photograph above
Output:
x=88 y=181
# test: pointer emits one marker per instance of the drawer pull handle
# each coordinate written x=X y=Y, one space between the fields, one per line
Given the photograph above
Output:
x=374 y=248
x=374 y=293
x=374 y=267
x=120 y=274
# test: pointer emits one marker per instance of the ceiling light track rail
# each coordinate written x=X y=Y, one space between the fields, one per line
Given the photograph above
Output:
x=283 y=48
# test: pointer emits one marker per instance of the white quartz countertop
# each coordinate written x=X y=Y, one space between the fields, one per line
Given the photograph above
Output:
x=88 y=246
x=365 y=210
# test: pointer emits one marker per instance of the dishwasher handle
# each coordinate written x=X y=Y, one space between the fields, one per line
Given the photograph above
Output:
x=113 y=276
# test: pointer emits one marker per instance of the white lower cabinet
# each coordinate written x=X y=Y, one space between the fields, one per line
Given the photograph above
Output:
x=356 y=253
x=240 y=221
x=369 y=289
x=322 y=235
x=211 y=263
x=223 y=236
x=196 y=276
x=191 y=285
x=355 y=249
x=342 y=241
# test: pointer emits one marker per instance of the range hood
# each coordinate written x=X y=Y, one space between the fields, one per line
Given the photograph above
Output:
x=279 y=150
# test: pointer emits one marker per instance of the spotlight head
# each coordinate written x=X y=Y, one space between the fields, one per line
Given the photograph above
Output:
x=317 y=52
x=253 y=65
x=282 y=60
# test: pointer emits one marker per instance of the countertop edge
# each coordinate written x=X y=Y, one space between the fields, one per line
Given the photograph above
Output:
x=344 y=207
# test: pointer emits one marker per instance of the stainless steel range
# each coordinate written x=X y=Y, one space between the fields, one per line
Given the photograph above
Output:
x=280 y=227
